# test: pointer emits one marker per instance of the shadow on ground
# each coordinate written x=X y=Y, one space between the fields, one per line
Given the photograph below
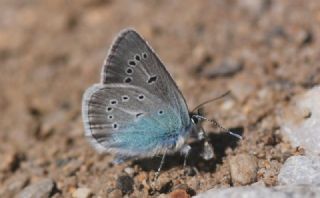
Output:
x=220 y=143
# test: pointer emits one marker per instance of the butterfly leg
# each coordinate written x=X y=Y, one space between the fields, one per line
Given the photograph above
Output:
x=185 y=152
x=208 y=152
x=160 y=166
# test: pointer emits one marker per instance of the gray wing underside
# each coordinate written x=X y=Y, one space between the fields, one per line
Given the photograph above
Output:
x=131 y=58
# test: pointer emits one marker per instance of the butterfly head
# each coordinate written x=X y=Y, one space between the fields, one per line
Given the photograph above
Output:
x=194 y=119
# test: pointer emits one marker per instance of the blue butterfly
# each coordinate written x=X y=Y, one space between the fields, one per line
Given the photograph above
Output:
x=137 y=110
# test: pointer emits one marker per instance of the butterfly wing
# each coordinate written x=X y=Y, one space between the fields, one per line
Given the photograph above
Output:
x=131 y=60
x=137 y=110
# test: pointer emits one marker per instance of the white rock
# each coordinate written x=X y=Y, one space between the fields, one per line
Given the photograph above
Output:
x=254 y=7
x=82 y=193
x=291 y=191
x=300 y=170
x=301 y=121
x=129 y=171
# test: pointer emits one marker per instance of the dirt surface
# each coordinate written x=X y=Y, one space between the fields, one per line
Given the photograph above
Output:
x=264 y=52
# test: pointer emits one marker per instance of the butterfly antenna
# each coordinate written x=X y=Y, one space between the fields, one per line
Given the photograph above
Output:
x=211 y=100
x=218 y=125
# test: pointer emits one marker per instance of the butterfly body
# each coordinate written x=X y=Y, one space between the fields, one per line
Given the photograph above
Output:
x=137 y=110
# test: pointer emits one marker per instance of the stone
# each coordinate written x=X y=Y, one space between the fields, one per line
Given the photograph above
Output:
x=42 y=188
x=125 y=184
x=82 y=193
x=130 y=171
x=305 y=37
x=227 y=67
x=199 y=55
x=300 y=170
x=17 y=182
x=72 y=167
x=300 y=122
x=243 y=169
x=242 y=88
x=49 y=124
x=296 y=191
x=115 y=194
x=10 y=161
x=254 y=7
x=179 y=193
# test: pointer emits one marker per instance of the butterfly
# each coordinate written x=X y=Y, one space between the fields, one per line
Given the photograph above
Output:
x=137 y=110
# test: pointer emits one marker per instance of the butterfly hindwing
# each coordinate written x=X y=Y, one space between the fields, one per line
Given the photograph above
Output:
x=118 y=119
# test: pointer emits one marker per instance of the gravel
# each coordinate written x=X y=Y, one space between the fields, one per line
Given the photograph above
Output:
x=41 y=189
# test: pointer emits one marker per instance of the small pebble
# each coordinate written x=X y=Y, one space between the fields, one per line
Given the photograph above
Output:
x=163 y=195
x=129 y=171
x=115 y=194
x=10 y=162
x=227 y=105
x=242 y=88
x=142 y=177
x=243 y=169
x=82 y=193
x=275 y=35
x=125 y=184
x=49 y=124
x=42 y=188
x=72 y=167
x=227 y=67
x=13 y=185
x=305 y=38
x=179 y=193
x=17 y=182
x=199 y=55
x=256 y=7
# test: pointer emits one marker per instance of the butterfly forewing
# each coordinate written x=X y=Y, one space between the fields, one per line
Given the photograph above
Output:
x=132 y=61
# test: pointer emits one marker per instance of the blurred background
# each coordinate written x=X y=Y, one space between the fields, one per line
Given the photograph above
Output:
x=263 y=51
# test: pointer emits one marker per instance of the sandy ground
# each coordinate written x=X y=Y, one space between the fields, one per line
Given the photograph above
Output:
x=264 y=52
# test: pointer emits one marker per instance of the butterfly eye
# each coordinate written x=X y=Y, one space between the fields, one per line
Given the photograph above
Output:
x=194 y=119
x=115 y=125
x=152 y=79
x=141 y=97
x=144 y=55
x=128 y=80
x=139 y=115
x=110 y=117
x=160 y=112
x=129 y=71
x=137 y=57
x=132 y=63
